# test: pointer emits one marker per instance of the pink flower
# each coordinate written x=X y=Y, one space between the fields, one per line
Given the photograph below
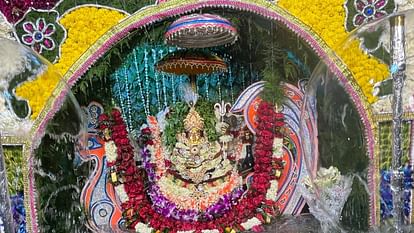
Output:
x=368 y=10
x=39 y=35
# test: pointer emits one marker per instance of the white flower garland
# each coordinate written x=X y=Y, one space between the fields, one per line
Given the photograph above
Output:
x=210 y=231
x=111 y=151
x=120 y=191
x=249 y=224
x=277 y=147
x=272 y=191
x=142 y=228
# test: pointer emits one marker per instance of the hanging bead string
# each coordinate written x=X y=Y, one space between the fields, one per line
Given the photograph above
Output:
x=231 y=84
x=173 y=88
x=140 y=83
x=164 y=88
x=219 y=87
x=242 y=78
x=121 y=99
x=129 y=120
x=147 y=100
x=206 y=84
x=227 y=59
x=180 y=84
x=157 y=85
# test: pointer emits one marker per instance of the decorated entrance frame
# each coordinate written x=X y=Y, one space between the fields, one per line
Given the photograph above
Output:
x=164 y=10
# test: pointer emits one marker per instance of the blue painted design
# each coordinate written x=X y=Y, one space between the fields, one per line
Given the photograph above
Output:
x=19 y=212
x=38 y=36
x=94 y=110
x=368 y=11
x=173 y=26
x=93 y=143
x=386 y=206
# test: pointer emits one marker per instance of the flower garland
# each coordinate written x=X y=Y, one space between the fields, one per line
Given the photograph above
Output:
x=164 y=202
x=330 y=26
x=84 y=26
x=243 y=214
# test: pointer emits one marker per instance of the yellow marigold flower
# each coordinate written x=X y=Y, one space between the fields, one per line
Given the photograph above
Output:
x=84 y=25
x=330 y=28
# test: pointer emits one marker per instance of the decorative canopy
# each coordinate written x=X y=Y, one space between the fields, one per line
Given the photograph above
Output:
x=200 y=31
x=191 y=63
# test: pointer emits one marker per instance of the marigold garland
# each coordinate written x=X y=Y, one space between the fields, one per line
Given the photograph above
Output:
x=84 y=26
x=242 y=215
x=326 y=18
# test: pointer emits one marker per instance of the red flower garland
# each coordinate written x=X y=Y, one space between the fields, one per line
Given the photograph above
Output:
x=139 y=209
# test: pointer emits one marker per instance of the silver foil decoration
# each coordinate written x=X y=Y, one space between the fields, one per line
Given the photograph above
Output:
x=398 y=74
x=5 y=208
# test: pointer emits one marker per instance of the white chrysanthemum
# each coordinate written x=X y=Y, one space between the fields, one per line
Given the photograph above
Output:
x=277 y=147
x=249 y=224
x=142 y=228
x=111 y=151
x=211 y=231
x=272 y=191
x=121 y=193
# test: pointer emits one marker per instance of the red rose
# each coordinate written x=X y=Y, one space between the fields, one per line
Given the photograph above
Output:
x=146 y=130
x=103 y=117
x=116 y=113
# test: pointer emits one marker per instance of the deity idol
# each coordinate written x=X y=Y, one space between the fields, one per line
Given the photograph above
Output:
x=194 y=157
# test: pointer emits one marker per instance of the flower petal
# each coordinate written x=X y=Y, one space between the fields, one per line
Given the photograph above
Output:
x=359 y=5
x=48 y=43
x=358 y=19
x=379 y=4
x=27 y=39
x=50 y=29
x=40 y=23
x=28 y=27
x=37 y=47
x=379 y=14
